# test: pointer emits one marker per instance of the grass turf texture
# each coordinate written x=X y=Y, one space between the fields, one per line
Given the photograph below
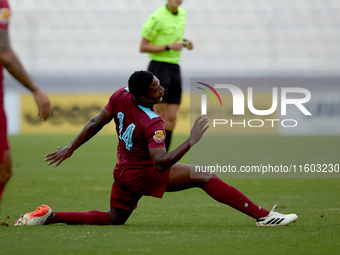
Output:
x=186 y=222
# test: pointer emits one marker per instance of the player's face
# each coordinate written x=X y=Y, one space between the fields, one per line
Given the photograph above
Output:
x=156 y=93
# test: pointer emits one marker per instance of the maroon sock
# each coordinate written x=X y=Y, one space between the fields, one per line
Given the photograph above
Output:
x=81 y=218
x=2 y=187
x=226 y=194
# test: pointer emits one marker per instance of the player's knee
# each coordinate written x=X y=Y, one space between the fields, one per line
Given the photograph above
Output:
x=118 y=222
x=6 y=168
x=203 y=178
x=5 y=175
x=119 y=216
x=173 y=123
x=172 y=118
x=9 y=174
x=170 y=123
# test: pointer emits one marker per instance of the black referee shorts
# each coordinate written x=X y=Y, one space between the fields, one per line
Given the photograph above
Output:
x=169 y=76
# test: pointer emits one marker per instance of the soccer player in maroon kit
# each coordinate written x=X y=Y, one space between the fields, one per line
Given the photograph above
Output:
x=144 y=167
x=11 y=62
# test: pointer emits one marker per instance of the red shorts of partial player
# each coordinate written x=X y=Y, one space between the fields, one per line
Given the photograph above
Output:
x=131 y=184
x=3 y=134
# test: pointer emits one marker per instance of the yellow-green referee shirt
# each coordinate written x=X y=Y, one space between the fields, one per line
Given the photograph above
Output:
x=163 y=28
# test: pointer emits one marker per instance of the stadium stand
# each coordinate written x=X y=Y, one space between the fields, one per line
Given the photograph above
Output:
x=231 y=36
x=83 y=45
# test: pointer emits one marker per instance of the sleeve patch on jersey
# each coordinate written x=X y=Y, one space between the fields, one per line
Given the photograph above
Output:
x=159 y=136
x=4 y=15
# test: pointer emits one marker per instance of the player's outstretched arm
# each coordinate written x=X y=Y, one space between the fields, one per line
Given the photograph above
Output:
x=11 y=62
x=162 y=160
x=92 y=127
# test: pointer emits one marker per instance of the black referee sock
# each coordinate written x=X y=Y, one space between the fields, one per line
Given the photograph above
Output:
x=167 y=139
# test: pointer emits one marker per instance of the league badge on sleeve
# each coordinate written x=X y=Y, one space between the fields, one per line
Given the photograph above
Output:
x=4 y=15
x=159 y=136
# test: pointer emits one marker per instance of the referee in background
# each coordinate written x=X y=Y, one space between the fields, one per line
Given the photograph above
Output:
x=162 y=37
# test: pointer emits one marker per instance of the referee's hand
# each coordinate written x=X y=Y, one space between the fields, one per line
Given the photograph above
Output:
x=188 y=44
x=176 y=45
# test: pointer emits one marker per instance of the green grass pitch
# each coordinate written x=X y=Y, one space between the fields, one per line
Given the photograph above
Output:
x=186 y=222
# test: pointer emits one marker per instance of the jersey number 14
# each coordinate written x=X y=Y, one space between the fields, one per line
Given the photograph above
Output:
x=127 y=135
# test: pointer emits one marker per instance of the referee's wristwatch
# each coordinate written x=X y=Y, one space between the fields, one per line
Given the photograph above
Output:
x=167 y=47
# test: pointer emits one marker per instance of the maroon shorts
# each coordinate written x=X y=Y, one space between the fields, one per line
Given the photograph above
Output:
x=3 y=134
x=130 y=185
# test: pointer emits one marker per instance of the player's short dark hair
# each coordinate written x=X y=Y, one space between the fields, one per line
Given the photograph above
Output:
x=139 y=83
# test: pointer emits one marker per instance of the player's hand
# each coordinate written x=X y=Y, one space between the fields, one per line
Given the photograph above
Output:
x=58 y=156
x=197 y=131
x=45 y=109
x=176 y=45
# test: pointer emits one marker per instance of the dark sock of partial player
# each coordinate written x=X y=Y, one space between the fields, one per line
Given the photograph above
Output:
x=168 y=134
x=226 y=194
x=81 y=218
x=2 y=187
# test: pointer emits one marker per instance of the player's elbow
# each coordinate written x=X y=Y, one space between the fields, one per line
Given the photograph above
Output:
x=142 y=49
x=160 y=159
x=94 y=124
x=6 y=57
x=144 y=46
